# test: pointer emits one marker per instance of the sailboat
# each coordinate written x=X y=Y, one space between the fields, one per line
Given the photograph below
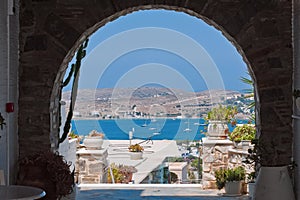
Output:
x=188 y=128
x=144 y=125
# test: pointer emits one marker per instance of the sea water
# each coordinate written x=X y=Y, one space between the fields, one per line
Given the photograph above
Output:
x=156 y=129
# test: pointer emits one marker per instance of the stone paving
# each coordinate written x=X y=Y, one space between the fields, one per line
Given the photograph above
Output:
x=151 y=192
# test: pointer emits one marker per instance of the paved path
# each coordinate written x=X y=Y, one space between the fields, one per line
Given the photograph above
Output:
x=153 y=192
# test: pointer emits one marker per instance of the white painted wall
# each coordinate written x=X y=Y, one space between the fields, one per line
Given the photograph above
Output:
x=9 y=62
x=68 y=150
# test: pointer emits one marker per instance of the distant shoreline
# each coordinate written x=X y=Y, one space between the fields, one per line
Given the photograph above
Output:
x=246 y=117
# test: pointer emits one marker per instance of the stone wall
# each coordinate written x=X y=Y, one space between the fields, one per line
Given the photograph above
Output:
x=218 y=154
x=51 y=31
x=91 y=166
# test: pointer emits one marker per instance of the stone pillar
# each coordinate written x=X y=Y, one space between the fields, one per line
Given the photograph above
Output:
x=296 y=122
x=215 y=156
x=236 y=157
x=91 y=166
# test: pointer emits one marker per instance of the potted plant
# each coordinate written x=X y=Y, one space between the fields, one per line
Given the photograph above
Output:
x=136 y=151
x=48 y=171
x=94 y=140
x=251 y=183
x=231 y=179
x=243 y=135
x=121 y=173
x=73 y=135
x=218 y=118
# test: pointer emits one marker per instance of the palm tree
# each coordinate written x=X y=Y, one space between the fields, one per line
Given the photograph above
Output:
x=249 y=94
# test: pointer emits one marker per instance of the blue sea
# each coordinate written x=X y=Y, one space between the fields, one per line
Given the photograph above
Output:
x=156 y=129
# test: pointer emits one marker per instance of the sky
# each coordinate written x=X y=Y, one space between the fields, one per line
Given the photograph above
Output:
x=167 y=48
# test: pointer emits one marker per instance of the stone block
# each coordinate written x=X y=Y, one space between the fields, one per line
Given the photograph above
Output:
x=89 y=179
x=206 y=167
x=95 y=168
x=225 y=158
x=222 y=149
x=208 y=177
x=82 y=165
x=209 y=185
x=209 y=158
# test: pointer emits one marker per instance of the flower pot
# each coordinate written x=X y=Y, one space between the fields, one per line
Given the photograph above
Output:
x=217 y=130
x=273 y=183
x=251 y=188
x=136 y=155
x=233 y=187
x=93 y=142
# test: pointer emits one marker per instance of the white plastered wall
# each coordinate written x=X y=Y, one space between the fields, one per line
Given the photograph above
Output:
x=9 y=62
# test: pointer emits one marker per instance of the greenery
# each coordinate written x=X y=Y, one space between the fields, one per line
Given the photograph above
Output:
x=73 y=135
x=191 y=176
x=49 y=171
x=244 y=132
x=135 y=148
x=75 y=68
x=176 y=159
x=173 y=177
x=95 y=133
x=2 y=122
x=121 y=173
x=249 y=92
x=222 y=113
x=220 y=175
x=251 y=177
x=254 y=155
x=227 y=175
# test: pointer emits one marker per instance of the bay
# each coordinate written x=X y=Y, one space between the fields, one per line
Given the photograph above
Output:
x=156 y=129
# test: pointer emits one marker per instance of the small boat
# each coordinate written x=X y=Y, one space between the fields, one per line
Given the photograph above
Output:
x=188 y=128
x=152 y=128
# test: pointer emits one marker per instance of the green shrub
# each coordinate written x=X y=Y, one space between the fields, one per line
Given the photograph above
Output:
x=245 y=132
x=222 y=113
x=227 y=175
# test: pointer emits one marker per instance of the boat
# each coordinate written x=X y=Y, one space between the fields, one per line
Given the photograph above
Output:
x=188 y=128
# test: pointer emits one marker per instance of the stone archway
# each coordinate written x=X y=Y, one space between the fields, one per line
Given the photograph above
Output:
x=50 y=32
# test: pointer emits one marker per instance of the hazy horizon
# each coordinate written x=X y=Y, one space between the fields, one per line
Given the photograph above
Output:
x=163 y=47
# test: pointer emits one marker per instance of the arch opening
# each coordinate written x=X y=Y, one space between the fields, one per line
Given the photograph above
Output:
x=181 y=52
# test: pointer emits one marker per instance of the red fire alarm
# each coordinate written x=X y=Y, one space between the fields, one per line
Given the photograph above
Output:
x=9 y=107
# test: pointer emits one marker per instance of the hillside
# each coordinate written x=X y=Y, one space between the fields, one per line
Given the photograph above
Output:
x=154 y=101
